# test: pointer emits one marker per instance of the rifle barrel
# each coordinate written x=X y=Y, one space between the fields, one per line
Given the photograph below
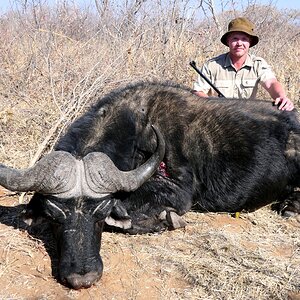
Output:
x=193 y=65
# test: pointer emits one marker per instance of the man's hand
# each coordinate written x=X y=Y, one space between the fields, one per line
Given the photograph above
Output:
x=200 y=94
x=284 y=103
x=276 y=91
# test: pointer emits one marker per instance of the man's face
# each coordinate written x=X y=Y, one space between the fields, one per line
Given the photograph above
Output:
x=238 y=43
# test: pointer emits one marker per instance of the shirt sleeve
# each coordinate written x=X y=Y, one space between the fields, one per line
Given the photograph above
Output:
x=201 y=85
x=265 y=71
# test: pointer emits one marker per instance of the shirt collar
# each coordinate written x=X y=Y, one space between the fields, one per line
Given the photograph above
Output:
x=228 y=63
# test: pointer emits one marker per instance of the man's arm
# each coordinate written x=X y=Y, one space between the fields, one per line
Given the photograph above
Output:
x=276 y=91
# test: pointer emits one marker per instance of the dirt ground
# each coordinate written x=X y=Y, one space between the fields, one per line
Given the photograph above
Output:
x=216 y=256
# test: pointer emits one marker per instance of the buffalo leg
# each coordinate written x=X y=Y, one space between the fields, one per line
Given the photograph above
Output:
x=158 y=205
x=289 y=207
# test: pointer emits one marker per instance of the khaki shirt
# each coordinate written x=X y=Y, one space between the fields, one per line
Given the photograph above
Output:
x=231 y=83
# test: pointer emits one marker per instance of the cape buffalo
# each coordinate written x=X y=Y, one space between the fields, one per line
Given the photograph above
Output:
x=144 y=155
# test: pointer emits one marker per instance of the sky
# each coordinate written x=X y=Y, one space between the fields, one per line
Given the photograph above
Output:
x=280 y=4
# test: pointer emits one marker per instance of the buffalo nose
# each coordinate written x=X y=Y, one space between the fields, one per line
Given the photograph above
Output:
x=77 y=281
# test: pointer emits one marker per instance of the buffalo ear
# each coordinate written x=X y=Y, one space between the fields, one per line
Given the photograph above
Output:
x=119 y=217
x=30 y=218
x=119 y=211
x=31 y=215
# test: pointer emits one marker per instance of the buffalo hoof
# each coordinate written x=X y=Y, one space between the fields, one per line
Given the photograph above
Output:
x=173 y=219
x=77 y=281
x=289 y=207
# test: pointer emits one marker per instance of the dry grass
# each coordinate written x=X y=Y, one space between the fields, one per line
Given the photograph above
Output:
x=54 y=63
x=215 y=257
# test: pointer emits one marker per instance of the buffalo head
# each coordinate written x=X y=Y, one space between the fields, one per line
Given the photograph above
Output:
x=77 y=197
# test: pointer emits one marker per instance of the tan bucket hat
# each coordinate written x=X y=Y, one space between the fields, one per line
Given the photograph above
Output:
x=241 y=25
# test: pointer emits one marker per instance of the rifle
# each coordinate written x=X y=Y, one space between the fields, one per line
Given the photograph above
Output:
x=193 y=65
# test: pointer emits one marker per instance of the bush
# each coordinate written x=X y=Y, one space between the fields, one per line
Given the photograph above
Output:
x=55 y=60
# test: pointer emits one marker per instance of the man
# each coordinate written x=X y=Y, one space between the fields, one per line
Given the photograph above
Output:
x=237 y=73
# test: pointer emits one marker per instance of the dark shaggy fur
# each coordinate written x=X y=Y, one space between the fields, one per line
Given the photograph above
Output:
x=221 y=154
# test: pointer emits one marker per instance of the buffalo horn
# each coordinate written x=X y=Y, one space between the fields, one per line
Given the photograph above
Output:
x=103 y=175
x=54 y=173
